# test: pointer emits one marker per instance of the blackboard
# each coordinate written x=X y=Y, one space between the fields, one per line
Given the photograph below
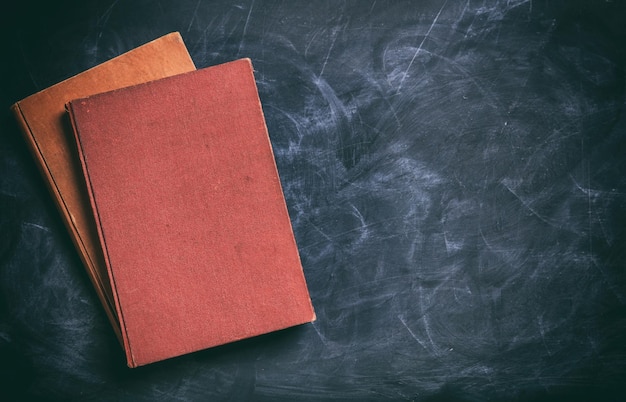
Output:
x=455 y=176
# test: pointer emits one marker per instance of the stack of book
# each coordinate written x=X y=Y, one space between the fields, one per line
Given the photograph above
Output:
x=166 y=180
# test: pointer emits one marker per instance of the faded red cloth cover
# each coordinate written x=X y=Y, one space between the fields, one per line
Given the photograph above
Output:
x=192 y=219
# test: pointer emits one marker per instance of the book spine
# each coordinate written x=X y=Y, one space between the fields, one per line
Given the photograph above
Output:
x=125 y=341
x=40 y=161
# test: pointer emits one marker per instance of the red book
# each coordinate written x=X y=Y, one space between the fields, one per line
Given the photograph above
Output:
x=191 y=215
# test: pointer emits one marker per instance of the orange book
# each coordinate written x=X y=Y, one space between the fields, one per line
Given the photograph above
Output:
x=43 y=120
x=191 y=216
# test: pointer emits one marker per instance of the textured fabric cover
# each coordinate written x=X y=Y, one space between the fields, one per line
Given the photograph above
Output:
x=192 y=219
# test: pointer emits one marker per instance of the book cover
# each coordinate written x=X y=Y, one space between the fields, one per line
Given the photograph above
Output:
x=191 y=215
x=43 y=120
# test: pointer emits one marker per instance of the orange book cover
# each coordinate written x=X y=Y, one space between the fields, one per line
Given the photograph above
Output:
x=191 y=215
x=43 y=120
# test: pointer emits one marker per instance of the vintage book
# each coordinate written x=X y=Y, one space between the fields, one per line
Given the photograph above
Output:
x=43 y=120
x=191 y=215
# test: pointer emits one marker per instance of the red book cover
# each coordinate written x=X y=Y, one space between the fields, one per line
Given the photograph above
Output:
x=191 y=215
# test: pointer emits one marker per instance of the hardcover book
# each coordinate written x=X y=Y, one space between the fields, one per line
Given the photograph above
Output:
x=191 y=216
x=43 y=120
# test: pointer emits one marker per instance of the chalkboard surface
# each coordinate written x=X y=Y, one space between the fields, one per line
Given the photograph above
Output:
x=454 y=172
